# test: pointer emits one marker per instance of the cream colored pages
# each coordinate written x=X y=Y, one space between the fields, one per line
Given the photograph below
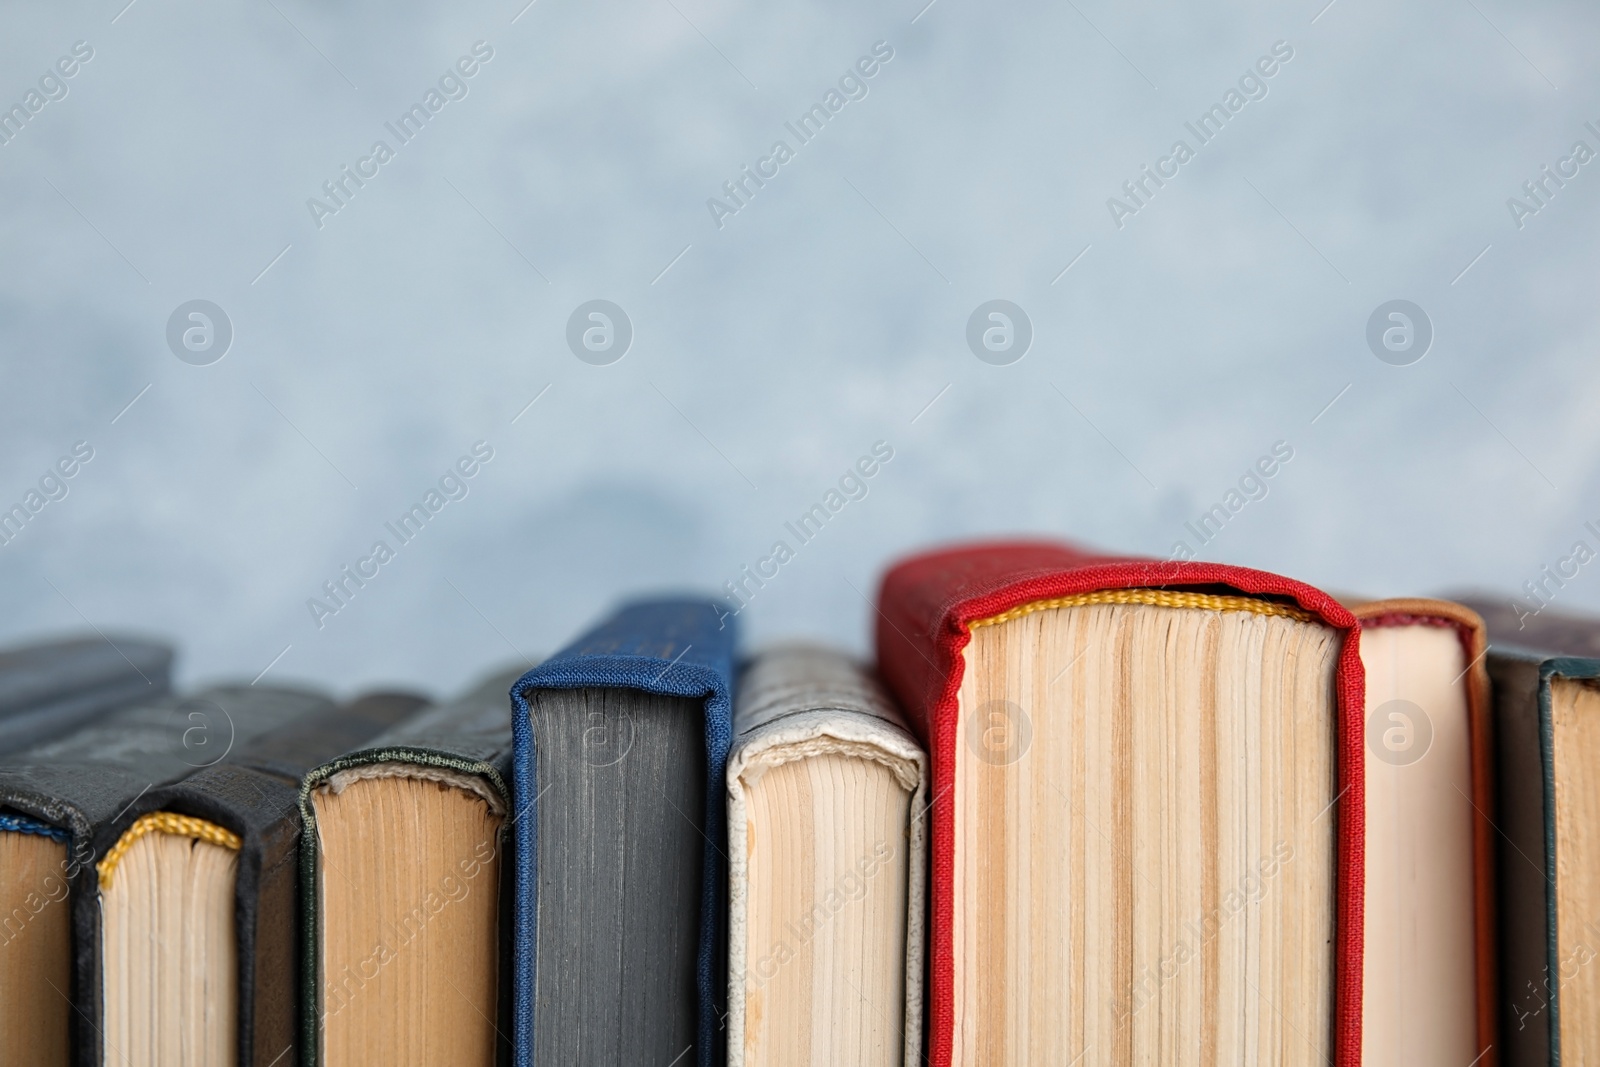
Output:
x=1143 y=841
x=827 y=853
x=169 y=959
x=1419 y=1007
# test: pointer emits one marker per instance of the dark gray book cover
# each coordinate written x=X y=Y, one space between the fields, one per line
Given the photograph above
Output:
x=253 y=792
x=51 y=688
x=85 y=780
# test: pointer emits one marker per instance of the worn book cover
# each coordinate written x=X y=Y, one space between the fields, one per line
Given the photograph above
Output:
x=63 y=795
x=165 y=1007
x=827 y=866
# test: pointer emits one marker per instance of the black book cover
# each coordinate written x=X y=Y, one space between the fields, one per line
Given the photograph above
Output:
x=81 y=783
x=252 y=792
x=1528 y=650
x=51 y=688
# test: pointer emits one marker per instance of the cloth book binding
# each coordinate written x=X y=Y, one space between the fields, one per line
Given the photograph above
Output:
x=80 y=782
x=251 y=795
x=926 y=606
x=672 y=647
x=793 y=702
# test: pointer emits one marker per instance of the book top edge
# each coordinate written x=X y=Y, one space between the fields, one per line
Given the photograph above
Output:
x=679 y=647
x=798 y=678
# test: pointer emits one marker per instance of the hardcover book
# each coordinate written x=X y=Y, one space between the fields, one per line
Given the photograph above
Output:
x=1147 y=825
x=1545 y=670
x=403 y=897
x=60 y=797
x=198 y=904
x=1429 y=976
x=51 y=688
x=621 y=747
x=827 y=797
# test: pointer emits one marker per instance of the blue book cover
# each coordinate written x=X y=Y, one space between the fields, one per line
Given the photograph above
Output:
x=670 y=647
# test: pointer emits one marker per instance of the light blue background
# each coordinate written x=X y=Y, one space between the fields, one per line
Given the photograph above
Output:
x=823 y=317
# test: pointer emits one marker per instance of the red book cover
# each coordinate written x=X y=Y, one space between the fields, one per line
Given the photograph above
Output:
x=925 y=607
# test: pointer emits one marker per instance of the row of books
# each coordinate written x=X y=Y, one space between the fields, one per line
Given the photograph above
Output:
x=1083 y=810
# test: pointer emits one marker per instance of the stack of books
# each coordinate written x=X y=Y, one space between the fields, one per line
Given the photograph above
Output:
x=1081 y=810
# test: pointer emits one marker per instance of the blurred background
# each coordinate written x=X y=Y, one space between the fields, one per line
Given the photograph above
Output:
x=1162 y=340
